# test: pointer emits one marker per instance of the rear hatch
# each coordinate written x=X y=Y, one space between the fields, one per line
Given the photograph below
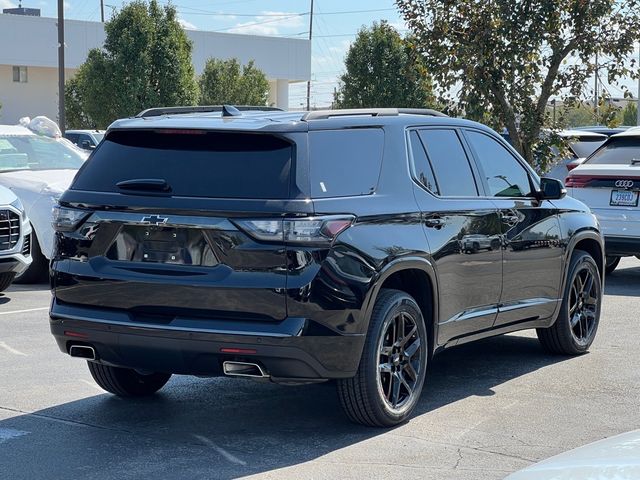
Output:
x=162 y=223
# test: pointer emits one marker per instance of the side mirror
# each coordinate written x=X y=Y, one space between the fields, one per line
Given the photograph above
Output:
x=551 y=189
x=86 y=144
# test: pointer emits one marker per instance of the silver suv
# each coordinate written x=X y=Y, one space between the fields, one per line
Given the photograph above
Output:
x=15 y=238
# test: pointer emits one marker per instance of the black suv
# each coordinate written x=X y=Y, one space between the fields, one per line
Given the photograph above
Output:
x=300 y=247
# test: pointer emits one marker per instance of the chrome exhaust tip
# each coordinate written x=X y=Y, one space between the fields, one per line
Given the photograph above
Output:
x=243 y=369
x=82 y=351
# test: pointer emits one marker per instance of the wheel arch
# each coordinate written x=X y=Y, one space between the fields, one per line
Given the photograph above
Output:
x=417 y=277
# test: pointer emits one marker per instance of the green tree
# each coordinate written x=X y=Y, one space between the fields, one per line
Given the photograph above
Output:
x=74 y=113
x=383 y=70
x=145 y=62
x=510 y=57
x=226 y=82
x=630 y=114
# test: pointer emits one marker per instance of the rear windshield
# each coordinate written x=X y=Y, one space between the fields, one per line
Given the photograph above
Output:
x=619 y=151
x=586 y=146
x=345 y=162
x=192 y=163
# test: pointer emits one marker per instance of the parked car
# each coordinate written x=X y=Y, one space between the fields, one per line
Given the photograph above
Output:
x=615 y=458
x=609 y=182
x=15 y=233
x=85 y=139
x=37 y=169
x=301 y=247
x=581 y=144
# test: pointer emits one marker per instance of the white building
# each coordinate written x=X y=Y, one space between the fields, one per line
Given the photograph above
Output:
x=29 y=60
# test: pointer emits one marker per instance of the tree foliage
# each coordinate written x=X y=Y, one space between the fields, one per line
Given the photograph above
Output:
x=509 y=57
x=383 y=70
x=226 y=82
x=630 y=114
x=145 y=62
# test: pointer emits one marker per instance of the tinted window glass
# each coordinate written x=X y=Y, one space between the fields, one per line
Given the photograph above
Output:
x=505 y=176
x=421 y=165
x=345 y=162
x=585 y=147
x=620 y=151
x=202 y=164
x=450 y=163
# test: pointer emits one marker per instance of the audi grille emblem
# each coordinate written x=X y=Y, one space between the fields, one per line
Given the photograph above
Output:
x=624 y=183
x=154 y=220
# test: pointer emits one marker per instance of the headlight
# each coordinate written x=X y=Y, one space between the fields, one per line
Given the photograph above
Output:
x=67 y=219
x=18 y=204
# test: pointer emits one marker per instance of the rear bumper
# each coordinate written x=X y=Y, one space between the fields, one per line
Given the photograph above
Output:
x=282 y=349
x=622 y=246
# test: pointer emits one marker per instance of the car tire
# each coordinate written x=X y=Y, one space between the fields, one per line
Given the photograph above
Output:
x=611 y=263
x=38 y=271
x=392 y=370
x=575 y=327
x=5 y=280
x=125 y=382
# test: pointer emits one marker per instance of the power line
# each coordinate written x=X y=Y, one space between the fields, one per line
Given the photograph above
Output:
x=258 y=23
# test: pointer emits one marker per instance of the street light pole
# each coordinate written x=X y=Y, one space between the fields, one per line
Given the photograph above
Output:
x=61 y=115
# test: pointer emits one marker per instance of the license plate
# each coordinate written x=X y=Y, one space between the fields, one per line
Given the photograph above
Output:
x=624 y=198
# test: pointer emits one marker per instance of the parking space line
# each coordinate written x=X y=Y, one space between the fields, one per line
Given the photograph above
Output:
x=220 y=450
x=25 y=311
x=11 y=350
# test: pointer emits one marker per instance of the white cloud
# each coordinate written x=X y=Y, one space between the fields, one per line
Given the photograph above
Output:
x=7 y=4
x=186 y=25
x=270 y=23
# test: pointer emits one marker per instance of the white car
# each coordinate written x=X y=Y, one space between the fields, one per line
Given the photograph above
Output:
x=581 y=144
x=15 y=233
x=608 y=181
x=37 y=169
x=615 y=458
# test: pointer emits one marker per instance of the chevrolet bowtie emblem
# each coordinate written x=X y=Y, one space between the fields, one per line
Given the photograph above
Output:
x=154 y=220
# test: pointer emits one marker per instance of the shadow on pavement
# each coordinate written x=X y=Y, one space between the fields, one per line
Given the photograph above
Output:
x=225 y=428
x=623 y=282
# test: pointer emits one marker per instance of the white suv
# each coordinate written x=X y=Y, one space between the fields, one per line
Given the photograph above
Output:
x=609 y=183
x=15 y=238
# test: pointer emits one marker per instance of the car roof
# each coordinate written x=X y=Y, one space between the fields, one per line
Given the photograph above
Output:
x=15 y=130
x=633 y=132
x=581 y=134
x=281 y=121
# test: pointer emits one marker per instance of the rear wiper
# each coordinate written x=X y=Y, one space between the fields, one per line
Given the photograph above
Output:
x=153 y=184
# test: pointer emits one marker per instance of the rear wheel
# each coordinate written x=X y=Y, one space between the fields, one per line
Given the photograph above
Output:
x=575 y=328
x=611 y=263
x=389 y=380
x=125 y=382
x=5 y=280
x=38 y=271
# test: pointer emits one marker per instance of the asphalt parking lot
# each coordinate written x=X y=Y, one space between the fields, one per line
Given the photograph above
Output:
x=488 y=409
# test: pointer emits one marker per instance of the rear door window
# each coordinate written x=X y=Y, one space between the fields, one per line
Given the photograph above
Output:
x=193 y=163
x=345 y=162
x=450 y=162
x=422 y=168
x=619 y=151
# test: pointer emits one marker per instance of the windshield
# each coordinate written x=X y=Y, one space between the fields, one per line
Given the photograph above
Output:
x=32 y=152
x=585 y=147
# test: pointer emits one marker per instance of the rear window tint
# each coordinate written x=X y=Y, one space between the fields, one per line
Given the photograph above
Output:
x=345 y=162
x=210 y=164
x=619 y=151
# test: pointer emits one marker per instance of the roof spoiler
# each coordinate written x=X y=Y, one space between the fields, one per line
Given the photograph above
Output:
x=159 y=111
x=373 y=112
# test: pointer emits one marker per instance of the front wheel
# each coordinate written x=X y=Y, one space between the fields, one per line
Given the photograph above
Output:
x=38 y=271
x=125 y=382
x=389 y=380
x=575 y=328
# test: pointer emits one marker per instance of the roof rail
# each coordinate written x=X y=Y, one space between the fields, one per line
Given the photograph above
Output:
x=374 y=112
x=156 y=112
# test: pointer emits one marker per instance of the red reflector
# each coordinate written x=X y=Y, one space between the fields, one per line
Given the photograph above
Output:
x=238 y=350
x=571 y=165
x=69 y=333
x=175 y=131
x=331 y=228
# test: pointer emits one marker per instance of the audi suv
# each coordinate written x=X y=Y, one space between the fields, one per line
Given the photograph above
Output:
x=304 y=247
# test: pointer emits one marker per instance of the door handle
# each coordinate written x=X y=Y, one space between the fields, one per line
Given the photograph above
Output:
x=434 y=222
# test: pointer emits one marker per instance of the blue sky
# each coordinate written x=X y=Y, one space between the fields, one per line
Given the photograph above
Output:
x=332 y=31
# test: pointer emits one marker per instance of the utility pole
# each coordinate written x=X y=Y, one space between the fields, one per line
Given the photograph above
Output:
x=595 y=92
x=102 y=11
x=61 y=115
x=310 y=37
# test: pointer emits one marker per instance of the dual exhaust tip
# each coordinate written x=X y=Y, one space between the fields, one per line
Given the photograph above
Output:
x=230 y=368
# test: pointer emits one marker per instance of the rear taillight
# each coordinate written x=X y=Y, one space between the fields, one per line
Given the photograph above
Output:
x=67 y=219
x=572 y=165
x=311 y=230
x=577 y=181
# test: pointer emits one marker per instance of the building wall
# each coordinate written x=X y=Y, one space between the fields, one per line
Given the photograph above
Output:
x=32 y=42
